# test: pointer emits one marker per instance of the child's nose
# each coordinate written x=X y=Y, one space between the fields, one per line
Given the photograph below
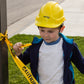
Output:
x=46 y=34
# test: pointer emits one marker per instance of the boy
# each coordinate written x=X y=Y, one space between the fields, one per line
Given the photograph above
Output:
x=51 y=56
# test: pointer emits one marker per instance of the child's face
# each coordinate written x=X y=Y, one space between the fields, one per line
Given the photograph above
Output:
x=49 y=34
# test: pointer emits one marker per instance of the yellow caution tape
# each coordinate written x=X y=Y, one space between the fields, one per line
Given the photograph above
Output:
x=23 y=68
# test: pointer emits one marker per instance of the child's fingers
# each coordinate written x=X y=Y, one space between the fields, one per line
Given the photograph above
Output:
x=19 y=44
x=20 y=49
x=17 y=47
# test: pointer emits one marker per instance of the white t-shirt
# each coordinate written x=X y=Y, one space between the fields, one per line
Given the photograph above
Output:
x=51 y=63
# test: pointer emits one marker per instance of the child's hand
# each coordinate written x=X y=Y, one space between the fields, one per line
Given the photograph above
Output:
x=17 y=48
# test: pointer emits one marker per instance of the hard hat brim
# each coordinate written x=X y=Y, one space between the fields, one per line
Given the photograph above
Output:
x=49 y=25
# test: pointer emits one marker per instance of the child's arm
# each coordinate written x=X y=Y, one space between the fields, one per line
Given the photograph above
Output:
x=25 y=57
x=78 y=59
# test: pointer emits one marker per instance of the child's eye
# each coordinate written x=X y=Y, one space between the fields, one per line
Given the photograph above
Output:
x=42 y=30
x=50 y=31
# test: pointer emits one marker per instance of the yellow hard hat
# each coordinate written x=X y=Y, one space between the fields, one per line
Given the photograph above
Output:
x=51 y=15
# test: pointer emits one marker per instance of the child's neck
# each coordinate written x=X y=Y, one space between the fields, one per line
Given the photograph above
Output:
x=54 y=42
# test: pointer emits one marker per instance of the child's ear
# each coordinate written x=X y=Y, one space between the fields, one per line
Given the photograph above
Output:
x=62 y=28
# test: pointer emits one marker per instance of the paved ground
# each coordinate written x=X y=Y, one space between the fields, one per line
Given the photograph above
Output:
x=74 y=13
x=18 y=9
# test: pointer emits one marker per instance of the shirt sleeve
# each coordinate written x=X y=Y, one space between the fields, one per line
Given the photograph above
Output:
x=25 y=57
x=78 y=59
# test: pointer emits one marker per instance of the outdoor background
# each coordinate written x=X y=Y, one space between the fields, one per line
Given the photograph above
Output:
x=21 y=16
x=20 y=22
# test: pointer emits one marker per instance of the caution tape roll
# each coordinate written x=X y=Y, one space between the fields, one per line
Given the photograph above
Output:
x=23 y=68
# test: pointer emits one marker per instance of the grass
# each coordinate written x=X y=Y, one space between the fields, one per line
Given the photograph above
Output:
x=16 y=77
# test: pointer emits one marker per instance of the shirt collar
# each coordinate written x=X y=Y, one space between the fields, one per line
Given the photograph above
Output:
x=52 y=43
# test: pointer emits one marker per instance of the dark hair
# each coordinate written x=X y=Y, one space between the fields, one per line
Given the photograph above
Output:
x=61 y=26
